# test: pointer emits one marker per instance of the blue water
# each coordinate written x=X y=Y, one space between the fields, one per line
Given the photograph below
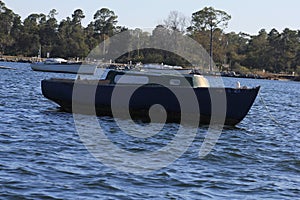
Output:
x=43 y=157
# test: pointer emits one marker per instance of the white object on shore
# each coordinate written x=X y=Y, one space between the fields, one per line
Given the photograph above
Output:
x=238 y=84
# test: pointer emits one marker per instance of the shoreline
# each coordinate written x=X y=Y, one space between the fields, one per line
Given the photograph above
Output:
x=20 y=59
x=268 y=76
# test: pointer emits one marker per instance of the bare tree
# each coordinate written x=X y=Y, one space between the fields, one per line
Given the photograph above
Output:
x=176 y=21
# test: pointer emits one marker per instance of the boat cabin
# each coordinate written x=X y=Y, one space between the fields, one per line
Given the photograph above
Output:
x=183 y=80
x=55 y=61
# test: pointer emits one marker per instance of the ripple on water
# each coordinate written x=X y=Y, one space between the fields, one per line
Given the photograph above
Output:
x=42 y=156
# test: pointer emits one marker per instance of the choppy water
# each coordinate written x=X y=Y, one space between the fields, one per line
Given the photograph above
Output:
x=42 y=156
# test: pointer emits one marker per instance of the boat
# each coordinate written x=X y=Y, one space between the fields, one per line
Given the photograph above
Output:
x=5 y=67
x=61 y=65
x=137 y=93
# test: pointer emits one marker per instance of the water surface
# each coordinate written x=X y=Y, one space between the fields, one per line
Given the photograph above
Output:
x=43 y=157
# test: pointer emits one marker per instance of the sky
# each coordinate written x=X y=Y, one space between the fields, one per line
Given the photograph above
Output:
x=247 y=16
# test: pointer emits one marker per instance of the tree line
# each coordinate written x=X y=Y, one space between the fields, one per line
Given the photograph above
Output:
x=272 y=51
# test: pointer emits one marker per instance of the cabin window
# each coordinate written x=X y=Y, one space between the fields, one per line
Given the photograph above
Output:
x=174 y=82
x=129 y=79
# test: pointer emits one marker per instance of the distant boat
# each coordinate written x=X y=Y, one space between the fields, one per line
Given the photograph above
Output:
x=5 y=67
x=152 y=89
x=61 y=65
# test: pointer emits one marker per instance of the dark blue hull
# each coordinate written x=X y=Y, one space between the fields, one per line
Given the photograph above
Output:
x=212 y=102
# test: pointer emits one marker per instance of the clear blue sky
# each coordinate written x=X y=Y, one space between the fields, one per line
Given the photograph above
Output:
x=247 y=16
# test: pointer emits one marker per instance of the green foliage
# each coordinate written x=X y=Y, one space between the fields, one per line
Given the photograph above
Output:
x=297 y=70
x=105 y=21
x=272 y=51
x=240 y=69
x=209 y=19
